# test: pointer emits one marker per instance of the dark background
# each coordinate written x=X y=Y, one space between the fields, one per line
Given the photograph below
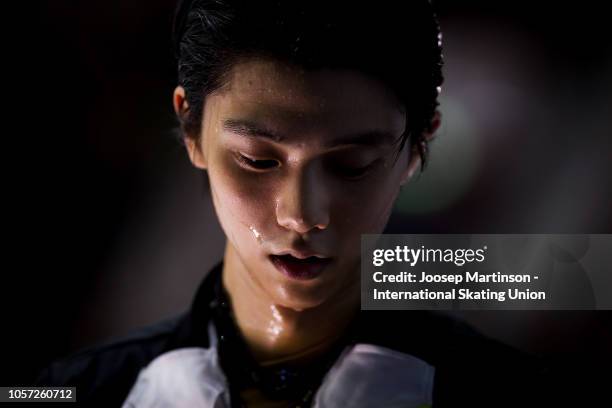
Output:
x=112 y=229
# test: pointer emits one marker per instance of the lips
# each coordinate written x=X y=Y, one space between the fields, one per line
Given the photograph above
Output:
x=300 y=268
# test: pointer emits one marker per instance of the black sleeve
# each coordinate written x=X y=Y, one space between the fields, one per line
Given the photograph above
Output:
x=487 y=373
x=102 y=378
x=103 y=375
x=472 y=370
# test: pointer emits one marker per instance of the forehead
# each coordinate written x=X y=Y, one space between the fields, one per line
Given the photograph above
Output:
x=289 y=97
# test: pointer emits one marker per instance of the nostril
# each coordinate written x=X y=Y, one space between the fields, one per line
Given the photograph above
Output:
x=299 y=225
x=301 y=210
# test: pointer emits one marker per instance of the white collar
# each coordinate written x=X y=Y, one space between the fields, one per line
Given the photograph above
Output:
x=364 y=375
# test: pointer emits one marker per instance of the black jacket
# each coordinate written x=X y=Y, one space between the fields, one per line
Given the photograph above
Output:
x=471 y=370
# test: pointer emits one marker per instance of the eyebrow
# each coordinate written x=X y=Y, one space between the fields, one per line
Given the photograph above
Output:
x=250 y=129
x=253 y=130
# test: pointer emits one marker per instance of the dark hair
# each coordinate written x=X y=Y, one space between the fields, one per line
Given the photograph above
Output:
x=396 y=42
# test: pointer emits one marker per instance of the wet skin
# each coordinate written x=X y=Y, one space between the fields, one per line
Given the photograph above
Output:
x=300 y=163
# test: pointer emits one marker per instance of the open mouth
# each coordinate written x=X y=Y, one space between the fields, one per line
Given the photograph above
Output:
x=302 y=269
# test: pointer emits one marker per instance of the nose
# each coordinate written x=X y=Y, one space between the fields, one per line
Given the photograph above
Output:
x=303 y=203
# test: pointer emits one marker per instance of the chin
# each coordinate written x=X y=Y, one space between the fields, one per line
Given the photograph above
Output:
x=299 y=298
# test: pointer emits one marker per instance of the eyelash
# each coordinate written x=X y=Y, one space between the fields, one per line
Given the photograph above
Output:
x=354 y=173
x=257 y=165
x=350 y=173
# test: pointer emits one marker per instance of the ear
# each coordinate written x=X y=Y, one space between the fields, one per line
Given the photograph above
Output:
x=415 y=158
x=192 y=142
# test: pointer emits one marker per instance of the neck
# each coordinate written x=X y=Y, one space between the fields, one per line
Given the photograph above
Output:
x=275 y=333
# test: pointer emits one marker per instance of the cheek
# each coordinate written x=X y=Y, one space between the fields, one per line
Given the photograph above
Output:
x=366 y=209
x=241 y=200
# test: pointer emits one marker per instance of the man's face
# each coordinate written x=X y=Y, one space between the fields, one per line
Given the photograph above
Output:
x=301 y=163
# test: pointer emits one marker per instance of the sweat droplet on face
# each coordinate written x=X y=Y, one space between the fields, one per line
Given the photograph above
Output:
x=256 y=234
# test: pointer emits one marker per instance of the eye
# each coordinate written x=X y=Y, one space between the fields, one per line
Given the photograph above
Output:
x=255 y=164
x=354 y=172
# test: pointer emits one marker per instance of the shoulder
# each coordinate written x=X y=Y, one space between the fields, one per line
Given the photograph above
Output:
x=105 y=372
x=437 y=338
x=470 y=368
